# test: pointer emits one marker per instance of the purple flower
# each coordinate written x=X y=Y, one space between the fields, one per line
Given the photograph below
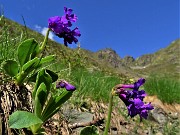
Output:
x=68 y=14
x=61 y=26
x=54 y=23
x=137 y=106
x=133 y=99
x=70 y=36
x=66 y=85
x=139 y=94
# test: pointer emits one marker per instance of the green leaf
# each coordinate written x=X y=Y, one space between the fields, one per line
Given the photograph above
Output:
x=27 y=50
x=47 y=59
x=23 y=119
x=53 y=75
x=40 y=99
x=89 y=130
x=33 y=77
x=45 y=78
x=11 y=67
x=1 y=60
x=54 y=104
x=31 y=65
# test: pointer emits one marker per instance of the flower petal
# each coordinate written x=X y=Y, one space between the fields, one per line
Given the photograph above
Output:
x=140 y=82
x=70 y=87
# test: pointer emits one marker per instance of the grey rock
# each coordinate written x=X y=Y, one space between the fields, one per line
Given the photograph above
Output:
x=81 y=117
x=159 y=115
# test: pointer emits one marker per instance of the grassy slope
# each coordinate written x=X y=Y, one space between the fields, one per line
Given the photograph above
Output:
x=52 y=46
x=93 y=77
x=77 y=66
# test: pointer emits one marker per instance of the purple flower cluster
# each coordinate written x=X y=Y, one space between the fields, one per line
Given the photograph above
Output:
x=66 y=85
x=133 y=99
x=61 y=26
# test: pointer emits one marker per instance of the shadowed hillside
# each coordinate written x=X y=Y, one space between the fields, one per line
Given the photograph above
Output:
x=164 y=61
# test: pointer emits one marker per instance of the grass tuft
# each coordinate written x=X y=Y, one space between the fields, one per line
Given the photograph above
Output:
x=95 y=85
x=166 y=89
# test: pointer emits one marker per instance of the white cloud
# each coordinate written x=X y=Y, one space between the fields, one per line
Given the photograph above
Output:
x=37 y=27
x=43 y=31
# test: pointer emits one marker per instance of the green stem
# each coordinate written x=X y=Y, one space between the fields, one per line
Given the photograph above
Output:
x=35 y=128
x=109 y=114
x=69 y=69
x=20 y=78
x=45 y=41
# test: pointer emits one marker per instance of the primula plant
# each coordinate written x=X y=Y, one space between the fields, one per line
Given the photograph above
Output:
x=29 y=68
x=49 y=93
x=132 y=98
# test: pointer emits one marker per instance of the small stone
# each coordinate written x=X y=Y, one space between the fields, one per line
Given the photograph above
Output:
x=146 y=132
x=101 y=127
x=159 y=133
x=127 y=126
x=174 y=115
x=114 y=132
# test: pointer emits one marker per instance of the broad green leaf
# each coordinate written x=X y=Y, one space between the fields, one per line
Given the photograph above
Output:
x=40 y=99
x=27 y=50
x=45 y=78
x=11 y=67
x=31 y=65
x=55 y=103
x=23 y=119
x=89 y=130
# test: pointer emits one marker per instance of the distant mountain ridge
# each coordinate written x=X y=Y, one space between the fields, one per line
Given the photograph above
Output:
x=166 y=59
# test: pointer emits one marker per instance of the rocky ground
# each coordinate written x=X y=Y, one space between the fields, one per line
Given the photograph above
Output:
x=164 y=119
x=75 y=115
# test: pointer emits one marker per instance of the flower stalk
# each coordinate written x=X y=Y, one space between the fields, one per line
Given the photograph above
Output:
x=109 y=113
x=45 y=40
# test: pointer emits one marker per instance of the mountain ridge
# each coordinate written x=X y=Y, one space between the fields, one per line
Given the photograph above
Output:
x=168 y=57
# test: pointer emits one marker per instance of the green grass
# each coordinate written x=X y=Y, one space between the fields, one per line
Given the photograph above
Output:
x=8 y=46
x=93 y=84
x=166 y=89
x=7 y=43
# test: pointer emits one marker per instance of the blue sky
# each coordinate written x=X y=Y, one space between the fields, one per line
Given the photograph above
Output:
x=130 y=27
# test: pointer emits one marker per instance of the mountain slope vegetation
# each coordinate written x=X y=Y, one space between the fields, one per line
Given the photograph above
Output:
x=163 y=61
